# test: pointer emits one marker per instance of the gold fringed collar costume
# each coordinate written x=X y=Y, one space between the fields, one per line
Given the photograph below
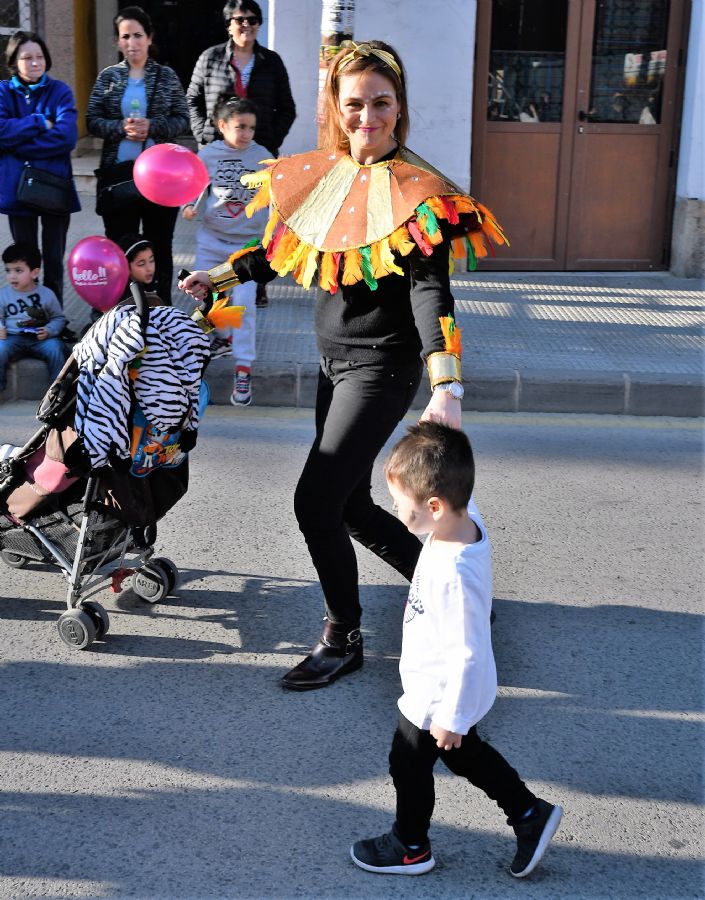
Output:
x=339 y=221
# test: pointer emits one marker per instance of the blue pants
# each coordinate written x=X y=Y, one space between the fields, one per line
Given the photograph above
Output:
x=19 y=346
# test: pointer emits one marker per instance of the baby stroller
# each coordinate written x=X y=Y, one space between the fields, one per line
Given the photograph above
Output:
x=109 y=460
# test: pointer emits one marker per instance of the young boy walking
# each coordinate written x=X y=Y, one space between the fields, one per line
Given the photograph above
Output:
x=447 y=666
x=31 y=318
x=225 y=227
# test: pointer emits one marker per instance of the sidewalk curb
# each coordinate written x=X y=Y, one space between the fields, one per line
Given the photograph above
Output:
x=486 y=390
x=497 y=390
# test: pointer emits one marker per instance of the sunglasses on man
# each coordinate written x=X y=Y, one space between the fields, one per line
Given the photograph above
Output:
x=245 y=20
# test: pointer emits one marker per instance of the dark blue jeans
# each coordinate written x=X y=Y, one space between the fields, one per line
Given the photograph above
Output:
x=19 y=346
x=358 y=406
x=411 y=761
x=53 y=244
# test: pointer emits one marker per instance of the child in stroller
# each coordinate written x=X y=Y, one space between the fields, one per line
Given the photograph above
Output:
x=111 y=458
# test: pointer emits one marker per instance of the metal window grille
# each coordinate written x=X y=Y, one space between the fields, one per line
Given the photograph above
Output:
x=16 y=15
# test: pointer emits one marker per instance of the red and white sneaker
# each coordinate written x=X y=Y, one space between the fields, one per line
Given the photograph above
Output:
x=242 y=393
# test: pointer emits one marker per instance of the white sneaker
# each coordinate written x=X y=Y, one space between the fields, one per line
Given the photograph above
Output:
x=242 y=393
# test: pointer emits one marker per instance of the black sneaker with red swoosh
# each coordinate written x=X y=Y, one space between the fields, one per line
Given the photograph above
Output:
x=388 y=855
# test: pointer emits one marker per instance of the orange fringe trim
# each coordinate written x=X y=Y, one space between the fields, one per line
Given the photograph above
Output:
x=451 y=335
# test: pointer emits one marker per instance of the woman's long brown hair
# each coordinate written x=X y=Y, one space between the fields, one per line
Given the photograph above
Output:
x=333 y=135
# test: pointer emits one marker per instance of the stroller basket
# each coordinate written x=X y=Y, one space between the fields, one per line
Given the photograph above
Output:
x=56 y=534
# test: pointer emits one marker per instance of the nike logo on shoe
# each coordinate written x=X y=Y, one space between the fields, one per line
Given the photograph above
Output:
x=410 y=860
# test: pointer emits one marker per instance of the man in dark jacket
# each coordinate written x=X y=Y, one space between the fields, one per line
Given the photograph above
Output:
x=242 y=67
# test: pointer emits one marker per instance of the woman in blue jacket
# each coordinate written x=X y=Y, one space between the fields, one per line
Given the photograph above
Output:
x=37 y=126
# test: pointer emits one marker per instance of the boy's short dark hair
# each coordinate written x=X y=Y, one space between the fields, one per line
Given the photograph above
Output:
x=26 y=253
x=433 y=460
x=229 y=105
x=15 y=44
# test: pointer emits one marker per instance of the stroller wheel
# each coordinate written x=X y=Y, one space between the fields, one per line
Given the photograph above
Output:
x=150 y=583
x=14 y=560
x=170 y=570
x=76 y=629
x=99 y=615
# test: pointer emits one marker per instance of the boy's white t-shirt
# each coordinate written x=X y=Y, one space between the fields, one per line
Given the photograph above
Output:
x=447 y=665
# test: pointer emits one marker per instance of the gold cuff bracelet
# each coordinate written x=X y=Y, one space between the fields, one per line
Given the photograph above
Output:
x=203 y=323
x=443 y=367
x=223 y=277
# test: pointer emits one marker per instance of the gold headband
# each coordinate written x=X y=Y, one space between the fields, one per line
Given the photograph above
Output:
x=364 y=49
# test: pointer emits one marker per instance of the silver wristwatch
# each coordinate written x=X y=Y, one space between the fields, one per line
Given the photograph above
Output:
x=454 y=388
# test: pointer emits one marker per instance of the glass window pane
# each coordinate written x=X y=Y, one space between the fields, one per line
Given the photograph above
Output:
x=9 y=14
x=628 y=61
x=527 y=60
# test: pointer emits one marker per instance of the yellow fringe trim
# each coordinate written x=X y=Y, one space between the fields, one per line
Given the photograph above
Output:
x=329 y=273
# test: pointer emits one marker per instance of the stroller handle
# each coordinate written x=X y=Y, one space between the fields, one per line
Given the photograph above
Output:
x=141 y=304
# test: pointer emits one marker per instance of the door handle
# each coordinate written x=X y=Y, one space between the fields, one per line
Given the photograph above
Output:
x=583 y=116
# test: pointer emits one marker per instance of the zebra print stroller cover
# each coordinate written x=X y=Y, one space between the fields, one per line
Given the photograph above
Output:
x=109 y=460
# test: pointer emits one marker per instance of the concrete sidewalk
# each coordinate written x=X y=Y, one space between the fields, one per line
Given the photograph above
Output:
x=547 y=342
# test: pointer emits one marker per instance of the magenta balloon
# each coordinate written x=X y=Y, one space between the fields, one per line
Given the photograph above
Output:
x=98 y=271
x=170 y=175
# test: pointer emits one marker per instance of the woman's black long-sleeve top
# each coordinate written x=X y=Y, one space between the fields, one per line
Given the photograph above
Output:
x=396 y=323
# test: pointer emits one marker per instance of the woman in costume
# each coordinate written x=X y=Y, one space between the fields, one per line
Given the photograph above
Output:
x=134 y=104
x=38 y=128
x=373 y=224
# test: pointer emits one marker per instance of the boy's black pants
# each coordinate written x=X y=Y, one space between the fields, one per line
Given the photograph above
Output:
x=358 y=406
x=411 y=761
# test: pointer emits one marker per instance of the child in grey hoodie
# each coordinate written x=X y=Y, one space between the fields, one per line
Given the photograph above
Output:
x=225 y=227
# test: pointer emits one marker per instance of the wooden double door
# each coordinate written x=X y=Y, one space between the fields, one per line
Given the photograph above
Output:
x=576 y=109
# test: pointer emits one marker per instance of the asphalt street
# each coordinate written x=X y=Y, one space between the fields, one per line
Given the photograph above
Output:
x=167 y=762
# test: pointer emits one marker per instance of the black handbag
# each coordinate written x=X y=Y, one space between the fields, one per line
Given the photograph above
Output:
x=43 y=191
x=116 y=190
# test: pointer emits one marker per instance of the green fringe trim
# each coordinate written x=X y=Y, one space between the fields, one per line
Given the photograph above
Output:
x=366 y=265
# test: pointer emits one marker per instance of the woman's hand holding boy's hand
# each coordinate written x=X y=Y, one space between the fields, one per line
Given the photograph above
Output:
x=446 y=740
x=3 y=333
x=444 y=409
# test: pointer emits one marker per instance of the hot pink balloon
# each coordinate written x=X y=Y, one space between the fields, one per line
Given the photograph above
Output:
x=170 y=175
x=98 y=271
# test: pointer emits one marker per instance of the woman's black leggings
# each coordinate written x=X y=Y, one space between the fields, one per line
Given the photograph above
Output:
x=358 y=406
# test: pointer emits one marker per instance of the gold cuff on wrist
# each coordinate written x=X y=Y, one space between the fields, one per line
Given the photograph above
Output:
x=202 y=321
x=223 y=277
x=443 y=367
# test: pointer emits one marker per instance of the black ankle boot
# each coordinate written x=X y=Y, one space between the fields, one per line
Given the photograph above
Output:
x=338 y=651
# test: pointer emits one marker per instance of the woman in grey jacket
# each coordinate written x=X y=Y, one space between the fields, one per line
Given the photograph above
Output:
x=244 y=68
x=133 y=105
